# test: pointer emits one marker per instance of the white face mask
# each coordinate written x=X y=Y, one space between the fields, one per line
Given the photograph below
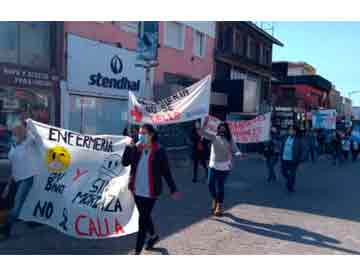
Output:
x=147 y=139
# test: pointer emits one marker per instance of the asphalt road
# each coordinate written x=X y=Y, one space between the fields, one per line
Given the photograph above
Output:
x=322 y=217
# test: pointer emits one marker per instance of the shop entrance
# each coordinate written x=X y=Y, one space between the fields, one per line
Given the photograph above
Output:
x=97 y=115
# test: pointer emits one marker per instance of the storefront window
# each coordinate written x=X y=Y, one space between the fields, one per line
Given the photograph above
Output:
x=25 y=43
x=18 y=103
x=35 y=44
x=8 y=42
x=95 y=115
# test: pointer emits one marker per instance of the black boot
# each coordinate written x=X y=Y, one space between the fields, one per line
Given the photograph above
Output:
x=151 y=242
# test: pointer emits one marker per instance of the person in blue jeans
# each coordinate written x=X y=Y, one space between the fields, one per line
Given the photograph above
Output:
x=291 y=153
x=220 y=165
x=23 y=171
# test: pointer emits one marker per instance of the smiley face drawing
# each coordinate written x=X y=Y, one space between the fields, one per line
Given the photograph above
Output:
x=57 y=159
x=111 y=167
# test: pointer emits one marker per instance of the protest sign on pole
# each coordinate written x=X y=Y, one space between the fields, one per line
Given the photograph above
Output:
x=188 y=104
x=251 y=131
x=81 y=188
x=325 y=119
x=244 y=131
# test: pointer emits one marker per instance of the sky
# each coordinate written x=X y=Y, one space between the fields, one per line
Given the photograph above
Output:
x=333 y=48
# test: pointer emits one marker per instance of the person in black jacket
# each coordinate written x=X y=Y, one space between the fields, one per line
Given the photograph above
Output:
x=199 y=152
x=271 y=151
x=291 y=156
x=149 y=165
x=336 y=149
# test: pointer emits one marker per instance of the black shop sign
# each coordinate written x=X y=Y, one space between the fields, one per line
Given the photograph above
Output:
x=21 y=77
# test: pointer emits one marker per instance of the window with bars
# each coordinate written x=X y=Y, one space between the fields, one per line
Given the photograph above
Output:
x=129 y=27
x=225 y=40
x=9 y=42
x=199 y=44
x=252 y=49
x=174 y=35
x=26 y=44
x=267 y=56
x=239 y=46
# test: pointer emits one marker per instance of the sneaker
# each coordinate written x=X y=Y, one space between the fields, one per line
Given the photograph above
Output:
x=194 y=180
x=151 y=242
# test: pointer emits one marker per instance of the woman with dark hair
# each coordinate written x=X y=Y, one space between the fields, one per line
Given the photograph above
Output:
x=222 y=149
x=149 y=164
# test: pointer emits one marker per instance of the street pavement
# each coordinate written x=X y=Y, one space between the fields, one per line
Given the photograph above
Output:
x=322 y=217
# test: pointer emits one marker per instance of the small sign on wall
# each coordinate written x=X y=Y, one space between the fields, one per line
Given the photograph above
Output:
x=86 y=102
x=124 y=116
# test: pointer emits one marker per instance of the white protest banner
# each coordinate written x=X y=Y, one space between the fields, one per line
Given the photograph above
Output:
x=325 y=119
x=188 y=104
x=251 y=131
x=81 y=186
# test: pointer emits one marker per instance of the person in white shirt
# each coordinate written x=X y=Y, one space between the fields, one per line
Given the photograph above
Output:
x=22 y=171
x=222 y=149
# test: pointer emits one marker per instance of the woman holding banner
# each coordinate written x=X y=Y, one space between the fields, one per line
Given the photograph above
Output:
x=23 y=171
x=222 y=149
x=149 y=164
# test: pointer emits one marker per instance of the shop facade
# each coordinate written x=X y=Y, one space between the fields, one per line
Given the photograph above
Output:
x=95 y=93
x=30 y=72
x=26 y=93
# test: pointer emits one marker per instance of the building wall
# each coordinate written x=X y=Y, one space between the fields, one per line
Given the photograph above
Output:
x=183 y=62
x=298 y=69
x=295 y=71
x=103 y=31
x=180 y=62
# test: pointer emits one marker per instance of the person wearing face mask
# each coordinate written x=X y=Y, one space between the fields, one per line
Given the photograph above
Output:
x=23 y=171
x=271 y=151
x=222 y=149
x=149 y=165
x=291 y=156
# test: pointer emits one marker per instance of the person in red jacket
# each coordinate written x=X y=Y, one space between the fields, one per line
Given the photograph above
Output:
x=149 y=165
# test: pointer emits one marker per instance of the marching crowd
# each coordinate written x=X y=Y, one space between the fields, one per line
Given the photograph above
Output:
x=150 y=166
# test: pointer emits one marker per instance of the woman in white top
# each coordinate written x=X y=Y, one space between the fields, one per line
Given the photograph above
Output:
x=20 y=154
x=220 y=165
